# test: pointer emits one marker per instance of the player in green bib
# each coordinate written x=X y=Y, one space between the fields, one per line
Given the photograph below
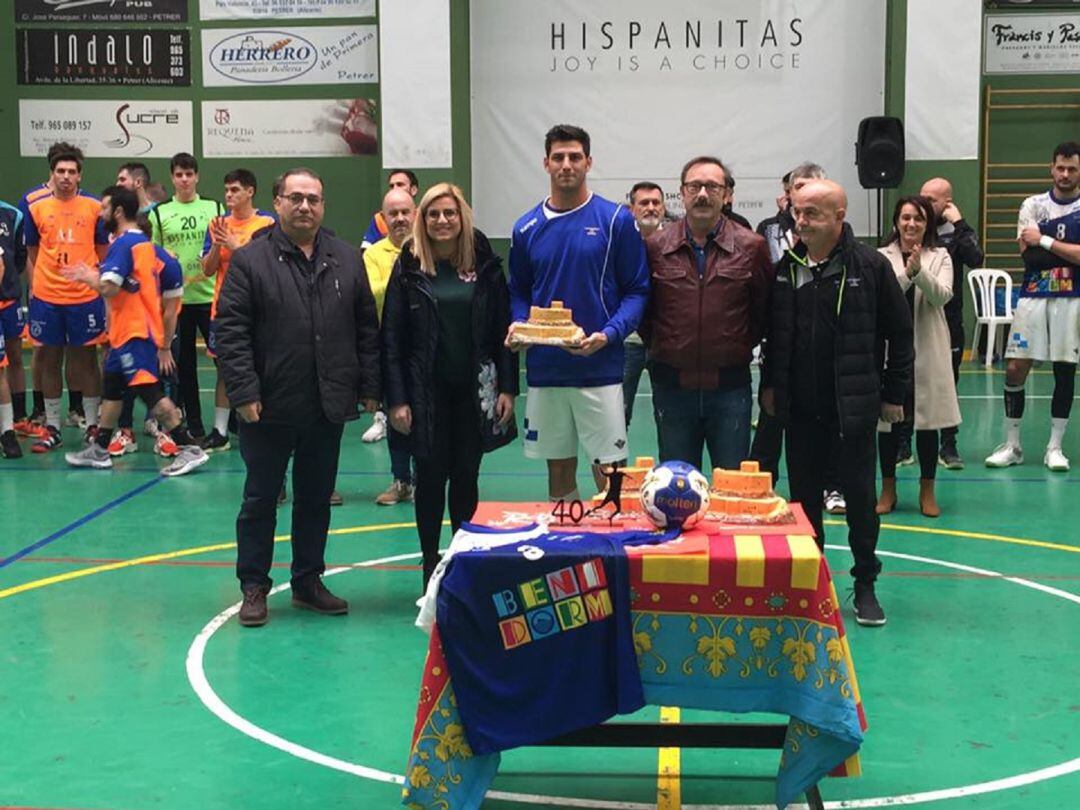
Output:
x=179 y=225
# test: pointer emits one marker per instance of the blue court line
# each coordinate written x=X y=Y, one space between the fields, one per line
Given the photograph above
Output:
x=101 y=510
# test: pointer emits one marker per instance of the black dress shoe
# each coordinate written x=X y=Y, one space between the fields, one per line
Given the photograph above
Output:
x=314 y=596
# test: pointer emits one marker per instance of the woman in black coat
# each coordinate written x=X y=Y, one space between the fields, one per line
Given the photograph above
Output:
x=449 y=381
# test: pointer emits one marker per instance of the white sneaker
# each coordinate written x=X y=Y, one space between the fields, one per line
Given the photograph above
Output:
x=377 y=431
x=1005 y=455
x=835 y=503
x=150 y=428
x=186 y=460
x=1055 y=460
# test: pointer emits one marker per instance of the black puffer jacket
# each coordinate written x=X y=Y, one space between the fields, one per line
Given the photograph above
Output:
x=874 y=321
x=299 y=335
x=410 y=334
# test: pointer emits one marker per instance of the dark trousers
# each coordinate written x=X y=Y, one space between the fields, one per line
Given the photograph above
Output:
x=454 y=457
x=956 y=341
x=400 y=454
x=690 y=419
x=193 y=318
x=266 y=450
x=633 y=365
x=810 y=443
x=768 y=444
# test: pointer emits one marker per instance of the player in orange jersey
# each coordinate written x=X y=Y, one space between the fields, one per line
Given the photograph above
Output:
x=224 y=236
x=63 y=230
x=132 y=281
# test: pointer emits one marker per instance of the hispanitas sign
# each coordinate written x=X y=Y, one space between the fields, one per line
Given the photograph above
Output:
x=557 y=602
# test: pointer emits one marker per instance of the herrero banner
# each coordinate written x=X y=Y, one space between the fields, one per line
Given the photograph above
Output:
x=764 y=86
x=101 y=11
x=157 y=57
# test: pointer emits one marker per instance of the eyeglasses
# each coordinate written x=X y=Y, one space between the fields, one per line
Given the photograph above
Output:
x=299 y=199
x=448 y=214
x=713 y=189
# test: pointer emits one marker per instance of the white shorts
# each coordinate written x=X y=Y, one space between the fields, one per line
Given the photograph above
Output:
x=1045 y=329
x=557 y=418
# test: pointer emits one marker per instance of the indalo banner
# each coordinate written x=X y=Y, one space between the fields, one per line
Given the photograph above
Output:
x=110 y=56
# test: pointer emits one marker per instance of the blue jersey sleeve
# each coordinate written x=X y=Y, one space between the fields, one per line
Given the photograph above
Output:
x=207 y=242
x=372 y=234
x=31 y=236
x=118 y=263
x=521 y=277
x=631 y=277
x=172 y=275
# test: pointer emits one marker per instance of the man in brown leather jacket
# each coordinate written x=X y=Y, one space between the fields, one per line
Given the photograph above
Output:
x=709 y=303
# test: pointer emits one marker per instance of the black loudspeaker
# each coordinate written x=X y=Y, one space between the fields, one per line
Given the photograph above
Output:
x=879 y=152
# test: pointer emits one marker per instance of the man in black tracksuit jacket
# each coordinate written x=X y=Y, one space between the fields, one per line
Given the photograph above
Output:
x=298 y=348
x=838 y=357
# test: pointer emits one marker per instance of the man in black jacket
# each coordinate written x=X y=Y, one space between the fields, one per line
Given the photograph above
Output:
x=297 y=344
x=959 y=239
x=839 y=356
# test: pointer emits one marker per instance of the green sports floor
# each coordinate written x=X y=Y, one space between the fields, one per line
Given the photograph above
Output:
x=119 y=690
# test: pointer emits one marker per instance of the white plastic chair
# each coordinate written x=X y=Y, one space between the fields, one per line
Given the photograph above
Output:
x=983 y=284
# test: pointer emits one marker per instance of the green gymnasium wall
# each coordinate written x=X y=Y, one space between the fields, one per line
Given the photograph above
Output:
x=354 y=184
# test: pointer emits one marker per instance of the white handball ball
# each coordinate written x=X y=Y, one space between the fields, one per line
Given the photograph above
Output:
x=675 y=495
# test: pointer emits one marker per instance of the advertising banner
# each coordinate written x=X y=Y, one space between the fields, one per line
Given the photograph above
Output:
x=101 y=11
x=290 y=128
x=291 y=9
x=1032 y=43
x=110 y=56
x=764 y=86
x=271 y=56
x=115 y=129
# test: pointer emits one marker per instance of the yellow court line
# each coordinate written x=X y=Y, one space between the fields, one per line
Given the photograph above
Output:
x=995 y=538
x=669 y=764
x=172 y=555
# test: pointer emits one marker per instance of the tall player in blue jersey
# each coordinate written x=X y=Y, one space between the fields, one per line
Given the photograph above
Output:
x=1046 y=324
x=585 y=251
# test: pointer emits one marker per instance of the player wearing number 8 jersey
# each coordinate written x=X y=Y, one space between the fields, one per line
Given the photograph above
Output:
x=1046 y=324
x=62 y=230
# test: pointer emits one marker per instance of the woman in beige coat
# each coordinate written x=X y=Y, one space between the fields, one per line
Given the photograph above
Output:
x=925 y=274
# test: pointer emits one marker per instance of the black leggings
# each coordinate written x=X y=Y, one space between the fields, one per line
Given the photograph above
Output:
x=926 y=447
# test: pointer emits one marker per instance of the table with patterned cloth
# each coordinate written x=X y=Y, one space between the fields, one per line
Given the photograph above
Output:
x=735 y=619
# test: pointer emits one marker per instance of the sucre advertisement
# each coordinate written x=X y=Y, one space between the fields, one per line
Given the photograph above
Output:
x=124 y=57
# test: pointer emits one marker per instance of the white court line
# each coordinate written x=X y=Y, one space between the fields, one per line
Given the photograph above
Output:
x=197 y=678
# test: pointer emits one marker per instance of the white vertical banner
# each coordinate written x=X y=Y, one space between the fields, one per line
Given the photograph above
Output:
x=414 y=70
x=764 y=86
x=941 y=81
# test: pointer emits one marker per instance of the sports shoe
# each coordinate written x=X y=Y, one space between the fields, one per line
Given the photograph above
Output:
x=150 y=428
x=336 y=499
x=93 y=455
x=165 y=446
x=835 y=503
x=9 y=444
x=868 y=611
x=52 y=439
x=215 y=442
x=253 y=609
x=31 y=428
x=904 y=456
x=1055 y=460
x=396 y=493
x=186 y=460
x=1005 y=455
x=377 y=431
x=123 y=442
x=949 y=458
x=90 y=436
x=75 y=419
x=314 y=596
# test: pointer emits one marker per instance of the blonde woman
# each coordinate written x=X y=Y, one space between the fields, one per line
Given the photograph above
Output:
x=450 y=382
x=925 y=273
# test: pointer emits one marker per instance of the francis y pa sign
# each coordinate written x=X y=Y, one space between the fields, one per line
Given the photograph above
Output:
x=1032 y=43
x=289 y=128
x=311 y=55
x=765 y=86
x=115 y=129
x=105 y=56
x=291 y=9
